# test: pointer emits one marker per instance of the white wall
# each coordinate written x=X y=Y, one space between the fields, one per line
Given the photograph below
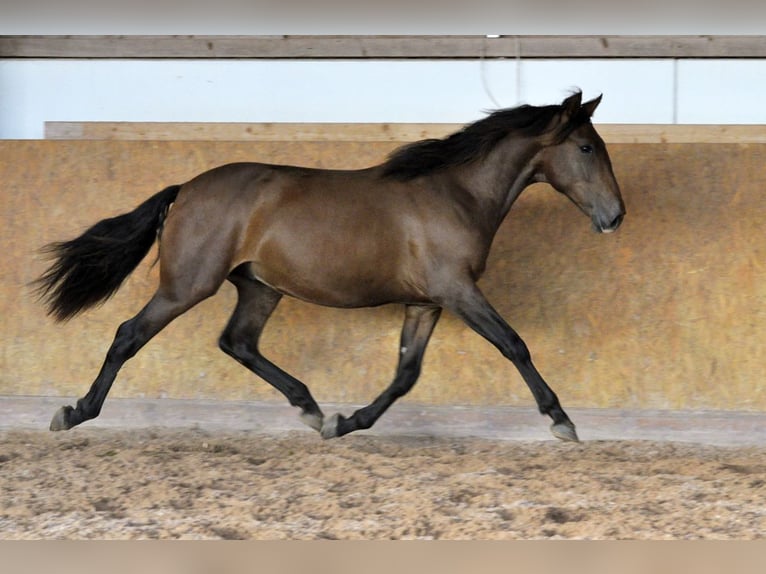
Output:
x=635 y=91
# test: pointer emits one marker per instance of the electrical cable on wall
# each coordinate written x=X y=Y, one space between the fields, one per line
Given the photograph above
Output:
x=483 y=69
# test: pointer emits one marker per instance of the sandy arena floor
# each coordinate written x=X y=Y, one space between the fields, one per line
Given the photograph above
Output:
x=136 y=480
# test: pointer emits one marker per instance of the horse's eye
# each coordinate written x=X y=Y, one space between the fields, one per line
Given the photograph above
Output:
x=586 y=148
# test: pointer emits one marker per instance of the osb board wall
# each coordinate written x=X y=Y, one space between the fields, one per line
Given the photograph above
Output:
x=667 y=313
x=380 y=132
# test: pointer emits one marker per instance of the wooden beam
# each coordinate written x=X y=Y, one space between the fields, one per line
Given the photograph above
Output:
x=381 y=47
x=202 y=131
x=159 y=131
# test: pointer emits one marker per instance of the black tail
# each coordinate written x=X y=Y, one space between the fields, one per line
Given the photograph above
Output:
x=89 y=269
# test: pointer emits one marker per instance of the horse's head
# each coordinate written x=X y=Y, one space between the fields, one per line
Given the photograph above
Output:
x=577 y=164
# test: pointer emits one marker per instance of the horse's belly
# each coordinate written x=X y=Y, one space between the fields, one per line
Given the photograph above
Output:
x=337 y=285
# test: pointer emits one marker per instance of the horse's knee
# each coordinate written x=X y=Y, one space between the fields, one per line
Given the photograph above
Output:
x=228 y=345
x=224 y=343
x=516 y=350
x=240 y=348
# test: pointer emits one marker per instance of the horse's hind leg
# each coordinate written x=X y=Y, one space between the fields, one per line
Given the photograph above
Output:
x=130 y=337
x=419 y=323
x=255 y=304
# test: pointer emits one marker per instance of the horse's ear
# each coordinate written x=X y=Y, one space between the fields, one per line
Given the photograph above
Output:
x=590 y=107
x=570 y=106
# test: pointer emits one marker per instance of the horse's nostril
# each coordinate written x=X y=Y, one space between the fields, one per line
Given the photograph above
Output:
x=612 y=226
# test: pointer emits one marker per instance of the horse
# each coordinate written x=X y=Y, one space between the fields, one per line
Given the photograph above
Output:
x=414 y=230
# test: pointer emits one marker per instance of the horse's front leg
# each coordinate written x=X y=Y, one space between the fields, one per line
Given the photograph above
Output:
x=419 y=323
x=469 y=303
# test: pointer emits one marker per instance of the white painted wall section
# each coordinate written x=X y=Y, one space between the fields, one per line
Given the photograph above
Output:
x=635 y=91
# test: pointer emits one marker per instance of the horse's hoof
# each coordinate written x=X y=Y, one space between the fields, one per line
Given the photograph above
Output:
x=330 y=427
x=565 y=431
x=60 y=420
x=312 y=420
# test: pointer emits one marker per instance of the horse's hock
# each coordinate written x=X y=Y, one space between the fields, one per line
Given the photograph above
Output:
x=667 y=313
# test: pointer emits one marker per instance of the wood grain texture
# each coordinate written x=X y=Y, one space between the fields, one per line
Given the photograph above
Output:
x=375 y=132
x=382 y=47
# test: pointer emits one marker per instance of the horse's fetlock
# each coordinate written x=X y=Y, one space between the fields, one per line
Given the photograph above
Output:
x=85 y=411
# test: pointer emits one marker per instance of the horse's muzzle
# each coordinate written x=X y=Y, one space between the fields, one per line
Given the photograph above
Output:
x=612 y=226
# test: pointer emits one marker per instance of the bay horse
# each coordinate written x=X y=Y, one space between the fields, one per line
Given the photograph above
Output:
x=414 y=230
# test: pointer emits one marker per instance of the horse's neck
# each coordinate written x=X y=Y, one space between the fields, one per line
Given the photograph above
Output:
x=497 y=181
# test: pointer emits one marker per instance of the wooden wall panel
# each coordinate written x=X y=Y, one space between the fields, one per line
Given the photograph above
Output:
x=667 y=313
x=380 y=132
x=382 y=47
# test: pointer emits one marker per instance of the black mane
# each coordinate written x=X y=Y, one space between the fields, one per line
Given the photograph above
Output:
x=473 y=142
